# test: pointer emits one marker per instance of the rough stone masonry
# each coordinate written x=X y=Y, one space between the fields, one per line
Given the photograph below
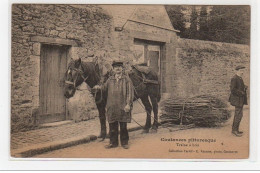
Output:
x=205 y=67
x=88 y=25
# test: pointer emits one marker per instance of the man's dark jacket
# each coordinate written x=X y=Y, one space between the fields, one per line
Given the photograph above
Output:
x=238 y=96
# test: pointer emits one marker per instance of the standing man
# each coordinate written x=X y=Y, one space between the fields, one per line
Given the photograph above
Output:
x=119 y=90
x=238 y=98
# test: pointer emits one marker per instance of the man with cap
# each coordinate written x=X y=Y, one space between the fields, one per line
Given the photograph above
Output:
x=120 y=95
x=238 y=98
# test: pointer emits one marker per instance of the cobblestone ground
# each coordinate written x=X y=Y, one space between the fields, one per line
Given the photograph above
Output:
x=45 y=135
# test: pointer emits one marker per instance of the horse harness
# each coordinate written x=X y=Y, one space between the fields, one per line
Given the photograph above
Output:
x=144 y=71
x=79 y=72
x=143 y=78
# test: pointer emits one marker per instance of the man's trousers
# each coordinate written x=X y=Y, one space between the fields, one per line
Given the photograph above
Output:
x=113 y=128
x=237 y=118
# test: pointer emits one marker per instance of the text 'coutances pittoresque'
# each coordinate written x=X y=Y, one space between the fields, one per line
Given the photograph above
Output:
x=190 y=140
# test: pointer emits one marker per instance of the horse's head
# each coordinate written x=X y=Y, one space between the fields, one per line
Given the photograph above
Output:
x=74 y=77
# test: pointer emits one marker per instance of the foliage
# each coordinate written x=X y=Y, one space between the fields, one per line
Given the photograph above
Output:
x=203 y=24
x=194 y=23
x=177 y=18
x=229 y=24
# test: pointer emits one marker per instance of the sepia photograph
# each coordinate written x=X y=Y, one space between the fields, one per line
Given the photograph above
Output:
x=150 y=81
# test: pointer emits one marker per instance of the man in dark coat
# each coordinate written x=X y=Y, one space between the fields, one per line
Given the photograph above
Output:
x=238 y=98
x=120 y=95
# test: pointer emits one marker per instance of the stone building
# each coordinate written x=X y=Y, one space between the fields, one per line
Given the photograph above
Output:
x=46 y=37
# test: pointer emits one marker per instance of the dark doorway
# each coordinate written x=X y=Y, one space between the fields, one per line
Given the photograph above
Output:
x=154 y=60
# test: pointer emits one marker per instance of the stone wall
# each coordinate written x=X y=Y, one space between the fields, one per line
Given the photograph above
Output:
x=88 y=25
x=204 y=67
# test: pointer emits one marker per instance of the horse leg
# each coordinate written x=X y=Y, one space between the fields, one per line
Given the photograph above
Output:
x=155 y=112
x=102 y=119
x=148 y=109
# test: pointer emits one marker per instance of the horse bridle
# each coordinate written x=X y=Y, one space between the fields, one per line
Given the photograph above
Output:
x=79 y=72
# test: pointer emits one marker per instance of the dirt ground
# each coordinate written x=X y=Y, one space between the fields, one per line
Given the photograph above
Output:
x=203 y=143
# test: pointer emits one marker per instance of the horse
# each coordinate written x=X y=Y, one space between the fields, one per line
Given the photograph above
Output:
x=89 y=72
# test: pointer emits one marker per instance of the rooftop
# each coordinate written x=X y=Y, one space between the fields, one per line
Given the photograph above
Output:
x=154 y=15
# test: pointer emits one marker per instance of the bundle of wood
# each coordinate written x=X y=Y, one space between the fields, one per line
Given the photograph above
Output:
x=203 y=111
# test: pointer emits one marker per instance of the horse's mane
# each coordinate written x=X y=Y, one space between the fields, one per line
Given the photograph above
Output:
x=93 y=69
x=90 y=66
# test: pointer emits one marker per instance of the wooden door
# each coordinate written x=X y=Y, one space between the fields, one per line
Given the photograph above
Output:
x=53 y=66
x=154 y=60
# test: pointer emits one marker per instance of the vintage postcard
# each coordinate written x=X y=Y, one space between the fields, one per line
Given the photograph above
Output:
x=130 y=81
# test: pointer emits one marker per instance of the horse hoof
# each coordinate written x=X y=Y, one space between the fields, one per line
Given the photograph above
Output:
x=145 y=131
x=100 y=136
x=153 y=130
x=103 y=136
x=101 y=140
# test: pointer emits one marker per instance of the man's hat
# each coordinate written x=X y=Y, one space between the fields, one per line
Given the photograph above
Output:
x=240 y=67
x=117 y=63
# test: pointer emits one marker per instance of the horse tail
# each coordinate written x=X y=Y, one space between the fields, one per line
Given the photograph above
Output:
x=159 y=92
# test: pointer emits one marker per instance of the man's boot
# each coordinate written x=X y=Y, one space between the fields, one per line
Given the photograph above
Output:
x=240 y=132
x=236 y=133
